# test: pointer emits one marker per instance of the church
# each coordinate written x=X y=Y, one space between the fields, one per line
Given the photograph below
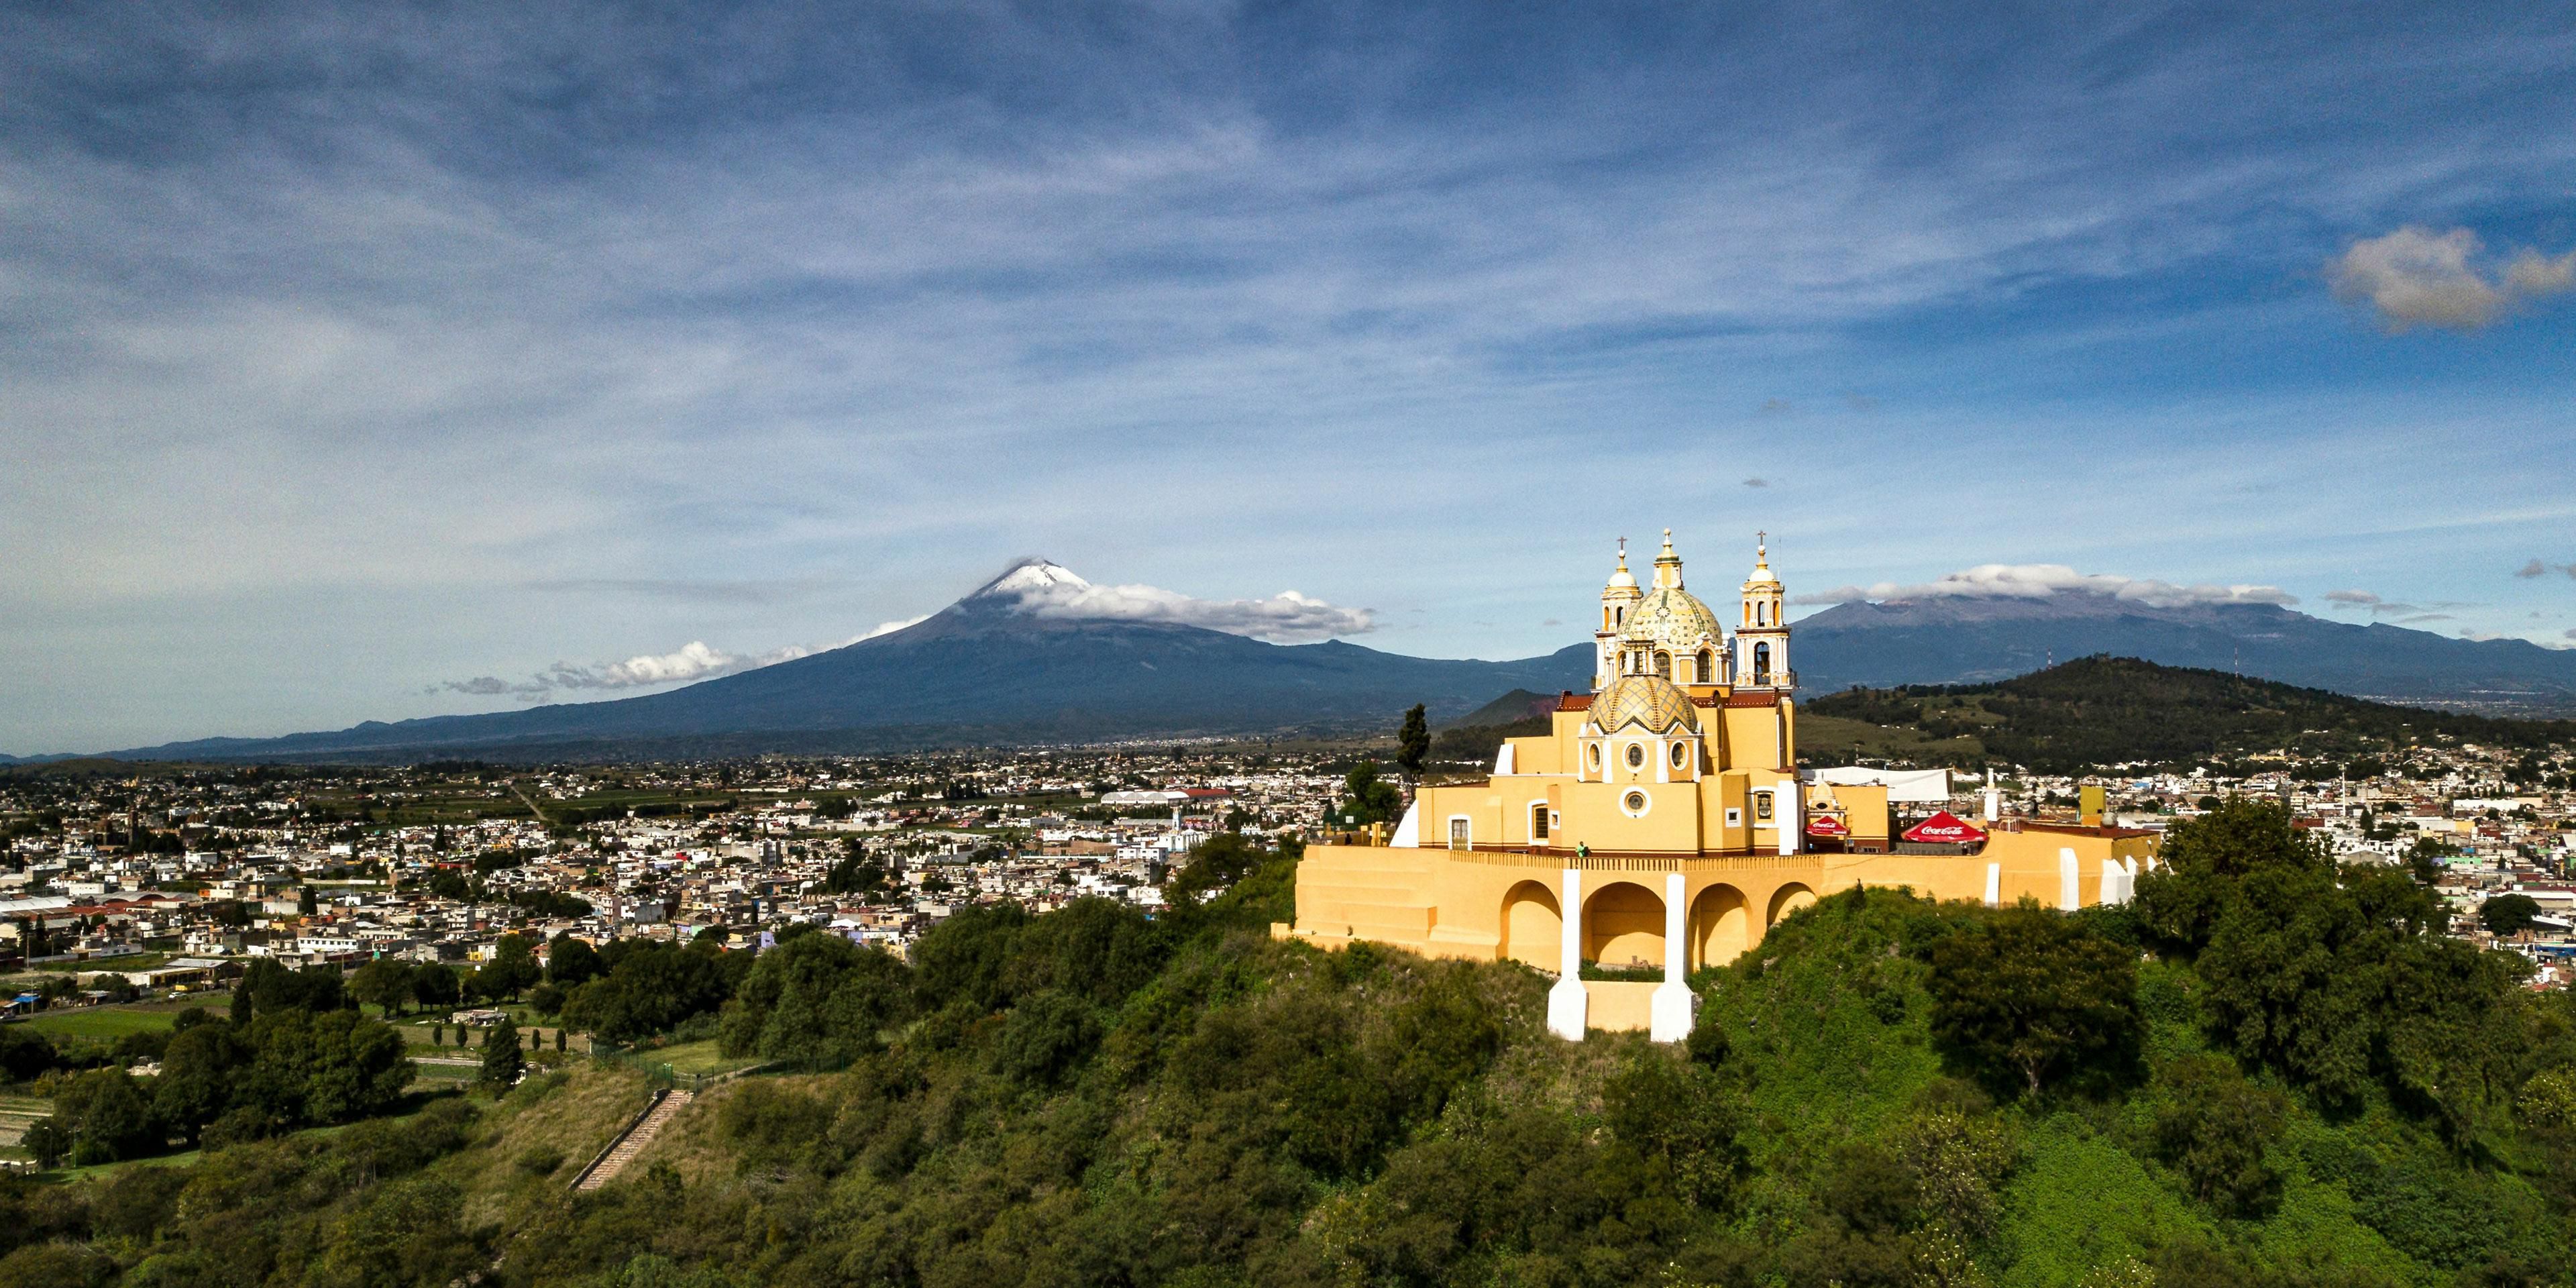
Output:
x=1662 y=824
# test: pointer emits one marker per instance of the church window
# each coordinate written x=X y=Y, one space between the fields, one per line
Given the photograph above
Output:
x=1664 y=664
x=1592 y=754
x=1762 y=664
x=1634 y=803
x=1459 y=834
x=1707 y=667
x=1681 y=755
x=1538 y=822
x=1762 y=808
x=1636 y=755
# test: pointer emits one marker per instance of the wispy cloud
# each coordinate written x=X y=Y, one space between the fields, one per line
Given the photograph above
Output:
x=1757 y=482
x=2538 y=568
x=2416 y=277
x=2039 y=581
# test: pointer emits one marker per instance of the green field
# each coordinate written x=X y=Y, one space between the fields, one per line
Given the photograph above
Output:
x=696 y=1058
x=103 y=1022
x=137 y=961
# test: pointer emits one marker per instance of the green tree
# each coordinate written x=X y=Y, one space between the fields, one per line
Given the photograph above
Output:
x=435 y=985
x=2337 y=981
x=2216 y=1129
x=2030 y=998
x=2509 y=914
x=502 y=1061
x=384 y=982
x=817 y=1000
x=856 y=873
x=571 y=962
x=1366 y=798
x=513 y=967
x=1413 y=742
x=649 y=988
x=197 y=1073
x=107 y=1117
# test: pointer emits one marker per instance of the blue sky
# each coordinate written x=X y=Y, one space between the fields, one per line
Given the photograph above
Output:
x=352 y=355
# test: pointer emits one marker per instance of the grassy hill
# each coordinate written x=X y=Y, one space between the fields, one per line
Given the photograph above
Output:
x=1095 y=1098
x=2099 y=711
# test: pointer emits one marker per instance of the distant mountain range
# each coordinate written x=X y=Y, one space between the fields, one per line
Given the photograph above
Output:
x=1970 y=640
x=1007 y=665
x=985 y=670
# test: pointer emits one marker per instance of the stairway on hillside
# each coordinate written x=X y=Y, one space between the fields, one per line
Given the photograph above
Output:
x=635 y=1140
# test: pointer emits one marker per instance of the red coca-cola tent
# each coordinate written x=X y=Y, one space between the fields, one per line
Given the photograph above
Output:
x=1943 y=828
x=1826 y=825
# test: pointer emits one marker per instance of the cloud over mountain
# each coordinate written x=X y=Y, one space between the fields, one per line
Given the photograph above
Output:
x=2039 y=581
x=1043 y=589
x=695 y=660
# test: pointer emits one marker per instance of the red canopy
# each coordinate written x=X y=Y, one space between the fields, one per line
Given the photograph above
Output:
x=1826 y=825
x=1942 y=827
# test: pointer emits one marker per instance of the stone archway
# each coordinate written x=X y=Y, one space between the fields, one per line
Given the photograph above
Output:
x=1788 y=899
x=1533 y=929
x=1623 y=925
x=1721 y=926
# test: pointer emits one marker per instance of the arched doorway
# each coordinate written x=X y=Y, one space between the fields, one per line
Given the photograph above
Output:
x=1720 y=926
x=1623 y=925
x=1533 y=929
x=1788 y=899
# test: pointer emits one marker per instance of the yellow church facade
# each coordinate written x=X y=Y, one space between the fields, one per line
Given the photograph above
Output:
x=1662 y=822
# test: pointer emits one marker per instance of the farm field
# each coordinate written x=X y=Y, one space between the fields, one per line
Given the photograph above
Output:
x=106 y=1023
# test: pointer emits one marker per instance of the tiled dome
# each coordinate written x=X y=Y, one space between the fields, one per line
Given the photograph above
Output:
x=1651 y=701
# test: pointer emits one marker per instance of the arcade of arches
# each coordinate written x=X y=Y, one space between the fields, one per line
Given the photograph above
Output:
x=1624 y=924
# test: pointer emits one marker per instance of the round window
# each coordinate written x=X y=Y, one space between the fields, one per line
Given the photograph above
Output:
x=1681 y=755
x=1593 y=754
x=1634 y=803
x=1636 y=755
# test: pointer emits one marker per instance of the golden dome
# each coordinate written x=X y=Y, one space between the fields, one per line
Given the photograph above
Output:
x=1672 y=618
x=1648 y=700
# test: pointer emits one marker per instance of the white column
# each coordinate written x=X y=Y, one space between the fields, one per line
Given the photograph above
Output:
x=2113 y=890
x=1567 y=1003
x=2069 y=879
x=1994 y=885
x=1788 y=809
x=1674 y=1005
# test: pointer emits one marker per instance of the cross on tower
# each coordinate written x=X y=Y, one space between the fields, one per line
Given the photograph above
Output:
x=1761 y=537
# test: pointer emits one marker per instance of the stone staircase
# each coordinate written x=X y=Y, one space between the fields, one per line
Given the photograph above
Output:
x=635 y=1140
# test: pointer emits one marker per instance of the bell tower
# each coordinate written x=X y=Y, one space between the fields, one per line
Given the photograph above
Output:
x=1617 y=599
x=1762 y=637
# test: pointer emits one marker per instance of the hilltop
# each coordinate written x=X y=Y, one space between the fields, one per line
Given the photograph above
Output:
x=1096 y=1096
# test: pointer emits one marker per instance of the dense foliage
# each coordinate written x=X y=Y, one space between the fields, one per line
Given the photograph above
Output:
x=1886 y=1091
x=2106 y=710
x=226 y=1080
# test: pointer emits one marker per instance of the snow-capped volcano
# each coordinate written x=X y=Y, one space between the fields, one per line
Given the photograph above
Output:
x=1032 y=576
x=1045 y=589
x=1038 y=653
